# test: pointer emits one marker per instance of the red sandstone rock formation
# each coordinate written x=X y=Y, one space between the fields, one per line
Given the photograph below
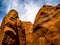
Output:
x=48 y=17
x=44 y=31
x=9 y=27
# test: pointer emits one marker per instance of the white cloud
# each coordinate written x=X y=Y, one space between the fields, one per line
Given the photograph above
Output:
x=27 y=9
x=51 y=2
x=27 y=12
x=31 y=11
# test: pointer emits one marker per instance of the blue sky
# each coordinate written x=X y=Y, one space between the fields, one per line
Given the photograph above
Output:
x=27 y=9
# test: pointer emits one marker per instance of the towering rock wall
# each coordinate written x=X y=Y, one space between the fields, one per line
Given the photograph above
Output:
x=9 y=27
x=21 y=33
x=48 y=19
x=1 y=36
x=44 y=31
x=28 y=27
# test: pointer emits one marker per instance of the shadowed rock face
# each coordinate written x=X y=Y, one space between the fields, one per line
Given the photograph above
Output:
x=21 y=33
x=44 y=31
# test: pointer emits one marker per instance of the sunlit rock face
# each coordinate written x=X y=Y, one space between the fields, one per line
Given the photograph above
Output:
x=1 y=36
x=44 y=31
x=28 y=27
x=9 y=27
x=15 y=31
x=48 y=17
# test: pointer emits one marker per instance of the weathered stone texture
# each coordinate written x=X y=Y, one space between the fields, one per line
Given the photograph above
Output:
x=9 y=27
x=28 y=27
x=44 y=31
x=48 y=17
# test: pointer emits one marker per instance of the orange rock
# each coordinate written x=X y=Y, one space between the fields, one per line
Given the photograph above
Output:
x=44 y=31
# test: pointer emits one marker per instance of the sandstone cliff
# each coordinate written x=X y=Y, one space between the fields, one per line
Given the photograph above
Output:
x=9 y=27
x=48 y=19
x=44 y=31
x=1 y=36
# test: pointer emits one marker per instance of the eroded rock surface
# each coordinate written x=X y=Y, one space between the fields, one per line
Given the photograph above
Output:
x=9 y=27
x=44 y=31
x=1 y=36
x=48 y=17
x=28 y=27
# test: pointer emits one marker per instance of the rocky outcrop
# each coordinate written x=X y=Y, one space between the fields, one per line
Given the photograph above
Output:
x=48 y=17
x=44 y=31
x=28 y=27
x=9 y=27
x=21 y=33
x=1 y=36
